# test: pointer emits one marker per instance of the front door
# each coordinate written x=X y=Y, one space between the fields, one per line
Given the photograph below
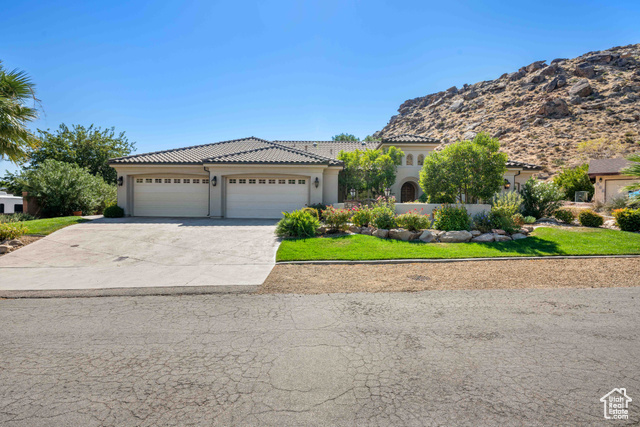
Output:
x=407 y=193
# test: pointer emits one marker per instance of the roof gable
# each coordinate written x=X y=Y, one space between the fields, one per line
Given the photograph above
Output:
x=607 y=166
x=274 y=154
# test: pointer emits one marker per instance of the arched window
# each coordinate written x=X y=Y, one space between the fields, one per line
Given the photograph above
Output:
x=409 y=159
x=420 y=160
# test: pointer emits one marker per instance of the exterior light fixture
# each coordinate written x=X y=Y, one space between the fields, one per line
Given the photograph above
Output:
x=507 y=184
x=120 y=181
x=353 y=193
x=316 y=182
x=387 y=192
x=600 y=179
x=214 y=181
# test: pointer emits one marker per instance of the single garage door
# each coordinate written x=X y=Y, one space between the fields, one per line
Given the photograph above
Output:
x=614 y=188
x=265 y=197
x=175 y=196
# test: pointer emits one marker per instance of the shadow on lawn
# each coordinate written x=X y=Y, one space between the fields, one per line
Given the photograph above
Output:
x=530 y=246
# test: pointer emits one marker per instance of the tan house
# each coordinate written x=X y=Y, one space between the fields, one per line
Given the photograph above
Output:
x=256 y=178
x=609 y=182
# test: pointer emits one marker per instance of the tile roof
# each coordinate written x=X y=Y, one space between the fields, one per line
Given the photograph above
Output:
x=409 y=138
x=523 y=165
x=274 y=154
x=607 y=166
x=329 y=149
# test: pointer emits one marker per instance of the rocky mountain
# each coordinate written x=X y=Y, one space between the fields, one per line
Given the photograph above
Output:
x=542 y=112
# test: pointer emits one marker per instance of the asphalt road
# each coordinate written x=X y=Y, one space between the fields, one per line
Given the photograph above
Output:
x=492 y=357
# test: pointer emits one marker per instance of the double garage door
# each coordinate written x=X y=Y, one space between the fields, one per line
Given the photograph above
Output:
x=245 y=197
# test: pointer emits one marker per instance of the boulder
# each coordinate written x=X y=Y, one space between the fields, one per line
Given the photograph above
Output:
x=499 y=231
x=501 y=238
x=585 y=70
x=456 y=105
x=322 y=230
x=517 y=236
x=468 y=136
x=472 y=94
x=486 y=237
x=366 y=231
x=354 y=229
x=476 y=233
x=381 y=232
x=555 y=107
x=4 y=249
x=534 y=66
x=582 y=88
x=14 y=242
x=401 y=234
x=461 y=236
x=525 y=231
x=554 y=84
x=427 y=236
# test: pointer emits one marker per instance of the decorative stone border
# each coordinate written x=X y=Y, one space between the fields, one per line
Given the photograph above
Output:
x=434 y=236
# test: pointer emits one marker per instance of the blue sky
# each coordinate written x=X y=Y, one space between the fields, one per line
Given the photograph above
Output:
x=180 y=73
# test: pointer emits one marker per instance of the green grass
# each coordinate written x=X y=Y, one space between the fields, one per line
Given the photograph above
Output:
x=49 y=225
x=544 y=241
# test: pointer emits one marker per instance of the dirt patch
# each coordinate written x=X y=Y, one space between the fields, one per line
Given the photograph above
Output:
x=512 y=274
x=25 y=241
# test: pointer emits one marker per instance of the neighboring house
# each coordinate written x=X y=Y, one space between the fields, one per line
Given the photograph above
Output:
x=609 y=182
x=255 y=178
x=10 y=204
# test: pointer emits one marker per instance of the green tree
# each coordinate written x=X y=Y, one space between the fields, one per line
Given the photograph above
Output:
x=351 y=176
x=345 y=137
x=369 y=170
x=88 y=147
x=370 y=138
x=572 y=180
x=16 y=90
x=633 y=170
x=466 y=171
x=540 y=199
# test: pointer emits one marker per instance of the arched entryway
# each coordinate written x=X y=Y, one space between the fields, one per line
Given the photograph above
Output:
x=407 y=192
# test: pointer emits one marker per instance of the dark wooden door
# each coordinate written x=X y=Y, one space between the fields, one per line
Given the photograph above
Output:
x=407 y=193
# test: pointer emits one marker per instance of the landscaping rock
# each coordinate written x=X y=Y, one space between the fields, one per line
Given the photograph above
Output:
x=499 y=231
x=4 y=249
x=501 y=238
x=14 y=243
x=366 y=231
x=524 y=231
x=322 y=230
x=354 y=229
x=518 y=236
x=461 y=236
x=581 y=89
x=476 y=233
x=486 y=237
x=406 y=235
x=381 y=232
x=427 y=236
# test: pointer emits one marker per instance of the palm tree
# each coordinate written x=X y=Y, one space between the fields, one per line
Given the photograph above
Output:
x=16 y=89
x=633 y=170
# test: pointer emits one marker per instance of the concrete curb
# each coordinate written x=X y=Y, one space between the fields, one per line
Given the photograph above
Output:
x=127 y=292
x=427 y=260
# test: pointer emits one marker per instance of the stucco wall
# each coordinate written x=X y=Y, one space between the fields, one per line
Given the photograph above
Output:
x=600 y=194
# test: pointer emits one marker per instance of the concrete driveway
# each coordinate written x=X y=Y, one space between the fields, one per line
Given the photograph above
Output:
x=144 y=253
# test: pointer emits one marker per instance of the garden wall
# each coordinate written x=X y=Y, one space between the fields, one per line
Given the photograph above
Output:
x=427 y=208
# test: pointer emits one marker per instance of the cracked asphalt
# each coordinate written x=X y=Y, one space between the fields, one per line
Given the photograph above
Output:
x=488 y=357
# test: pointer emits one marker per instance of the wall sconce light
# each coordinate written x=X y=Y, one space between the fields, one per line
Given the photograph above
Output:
x=120 y=181
x=316 y=182
x=353 y=193
x=600 y=179
x=507 y=184
x=387 y=192
x=214 y=181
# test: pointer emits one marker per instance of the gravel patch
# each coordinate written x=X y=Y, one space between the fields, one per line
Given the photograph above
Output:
x=512 y=274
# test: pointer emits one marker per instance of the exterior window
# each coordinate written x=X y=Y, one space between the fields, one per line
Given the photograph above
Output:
x=420 y=160
x=272 y=181
x=409 y=159
x=262 y=181
x=302 y=181
x=242 y=181
x=158 y=181
x=292 y=181
x=196 y=181
x=176 y=181
x=205 y=181
x=252 y=181
x=232 y=181
x=281 y=181
x=167 y=180
x=186 y=181
x=148 y=180
x=139 y=180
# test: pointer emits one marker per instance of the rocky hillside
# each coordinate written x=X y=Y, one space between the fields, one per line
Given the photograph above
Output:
x=542 y=112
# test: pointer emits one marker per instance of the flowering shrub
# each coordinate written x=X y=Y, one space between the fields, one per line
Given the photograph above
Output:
x=297 y=224
x=336 y=219
x=518 y=219
x=507 y=203
x=361 y=216
x=482 y=222
x=627 y=219
x=589 y=218
x=386 y=202
x=414 y=220
x=12 y=230
x=319 y=207
x=383 y=217
x=564 y=215
x=451 y=218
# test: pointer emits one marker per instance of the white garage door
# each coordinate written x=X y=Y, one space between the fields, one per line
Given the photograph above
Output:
x=614 y=188
x=265 y=197
x=175 y=196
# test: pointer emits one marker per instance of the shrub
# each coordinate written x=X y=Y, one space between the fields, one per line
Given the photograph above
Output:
x=507 y=203
x=383 y=217
x=319 y=207
x=386 y=202
x=413 y=220
x=589 y=218
x=482 y=222
x=361 y=216
x=529 y=219
x=451 y=218
x=564 y=215
x=540 y=199
x=12 y=230
x=113 y=211
x=312 y=211
x=518 y=219
x=572 y=180
x=423 y=198
x=297 y=224
x=619 y=202
x=503 y=222
x=16 y=217
x=627 y=219
x=336 y=219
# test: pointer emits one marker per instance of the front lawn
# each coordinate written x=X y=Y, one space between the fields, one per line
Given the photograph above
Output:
x=49 y=225
x=544 y=241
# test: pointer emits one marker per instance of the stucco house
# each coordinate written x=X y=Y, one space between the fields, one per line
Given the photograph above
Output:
x=609 y=182
x=256 y=178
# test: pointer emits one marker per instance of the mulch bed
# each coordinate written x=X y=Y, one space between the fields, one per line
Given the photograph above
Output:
x=511 y=274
